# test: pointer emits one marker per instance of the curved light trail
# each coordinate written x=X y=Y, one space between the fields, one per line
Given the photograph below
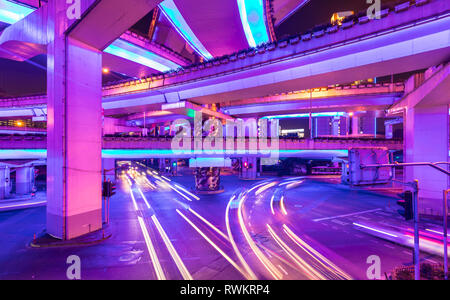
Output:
x=276 y=274
x=212 y=243
x=250 y=274
x=309 y=271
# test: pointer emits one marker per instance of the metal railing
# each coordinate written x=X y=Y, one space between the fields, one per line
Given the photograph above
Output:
x=415 y=186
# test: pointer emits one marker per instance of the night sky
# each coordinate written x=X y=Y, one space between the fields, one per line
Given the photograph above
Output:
x=317 y=12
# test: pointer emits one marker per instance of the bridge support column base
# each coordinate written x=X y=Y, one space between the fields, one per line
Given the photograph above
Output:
x=207 y=180
x=24 y=180
x=426 y=140
x=74 y=133
x=248 y=168
x=5 y=184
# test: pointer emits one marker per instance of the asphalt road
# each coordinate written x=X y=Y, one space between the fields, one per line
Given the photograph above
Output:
x=276 y=228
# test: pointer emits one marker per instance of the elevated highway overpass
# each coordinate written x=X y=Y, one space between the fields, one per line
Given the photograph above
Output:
x=399 y=42
x=152 y=147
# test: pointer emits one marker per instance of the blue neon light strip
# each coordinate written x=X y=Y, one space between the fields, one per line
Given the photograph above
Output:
x=11 y=13
x=253 y=21
x=325 y=114
x=172 y=13
x=141 y=56
x=131 y=153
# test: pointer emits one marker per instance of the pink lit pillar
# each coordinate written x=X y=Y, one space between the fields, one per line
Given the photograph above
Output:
x=74 y=131
x=426 y=137
x=355 y=125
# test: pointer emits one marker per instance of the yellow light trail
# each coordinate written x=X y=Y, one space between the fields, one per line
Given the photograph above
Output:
x=212 y=243
x=261 y=257
x=187 y=192
x=151 y=251
x=309 y=271
x=143 y=197
x=209 y=224
x=271 y=204
x=283 y=208
x=266 y=187
x=302 y=244
x=250 y=274
x=176 y=258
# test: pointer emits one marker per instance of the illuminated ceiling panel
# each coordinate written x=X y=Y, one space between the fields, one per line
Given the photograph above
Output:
x=139 y=55
x=172 y=13
x=11 y=13
x=253 y=21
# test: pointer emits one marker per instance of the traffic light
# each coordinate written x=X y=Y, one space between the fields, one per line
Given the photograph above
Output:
x=108 y=189
x=407 y=204
x=112 y=189
x=104 y=189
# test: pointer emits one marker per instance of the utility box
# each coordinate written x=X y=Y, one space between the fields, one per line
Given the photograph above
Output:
x=357 y=157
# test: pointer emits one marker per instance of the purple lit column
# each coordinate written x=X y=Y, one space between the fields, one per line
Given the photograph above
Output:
x=249 y=168
x=426 y=137
x=24 y=180
x=74 y=131
x=5 y=185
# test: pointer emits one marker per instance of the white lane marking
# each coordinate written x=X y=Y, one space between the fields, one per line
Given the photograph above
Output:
x=347 y=215
x=389 y=246
x=340 y=222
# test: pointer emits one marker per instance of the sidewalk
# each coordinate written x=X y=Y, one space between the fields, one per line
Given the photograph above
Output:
x=23 y=202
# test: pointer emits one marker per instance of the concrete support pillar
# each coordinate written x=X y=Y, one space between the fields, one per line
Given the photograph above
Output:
x=389 y=131
x=248 y=168
x=355 y=125
x=5 y=182
x=368 y=123
x=426 y=139
x=24 y=180
x=322 y=126
x=162 y=165
x=74 y=141
x=108 y=169
x=335 y=126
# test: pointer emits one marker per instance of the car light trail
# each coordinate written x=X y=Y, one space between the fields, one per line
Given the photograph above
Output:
x=310 y=272
x=261 y=257
x=209 y=224
x=283 y=208
x=250 y=274
x=24 y=205
x=187 y=192
x=180 y=193
x=376 y=230
x=151 y=250
x=266 y=187
x=143 y=197
x=176 y=258
x=307 y=248
x=212 y=243
x=136 y=208
x=271 y=204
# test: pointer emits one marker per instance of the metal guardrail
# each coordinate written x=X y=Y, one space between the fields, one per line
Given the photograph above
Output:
x=415 y=187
